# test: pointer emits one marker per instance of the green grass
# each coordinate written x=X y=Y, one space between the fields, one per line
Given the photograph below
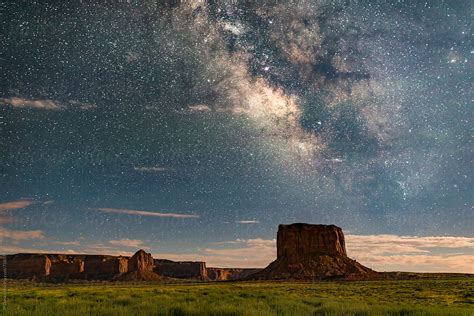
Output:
x=414 y=297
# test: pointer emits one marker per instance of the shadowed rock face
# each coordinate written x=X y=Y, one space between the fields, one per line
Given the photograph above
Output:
x=181 y=269
x=303 y=239
x=25 y=266
x=306 y=251
x=60 y=267
x=65 y=266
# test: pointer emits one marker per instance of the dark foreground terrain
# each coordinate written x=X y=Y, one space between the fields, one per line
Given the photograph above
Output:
x=445 y=296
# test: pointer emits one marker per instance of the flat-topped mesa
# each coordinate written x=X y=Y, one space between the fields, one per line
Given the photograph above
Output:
x=65 y=266
x=299 y=239
x=103 y=267
x=306 y=251
x=27 y=265
x=181 y=269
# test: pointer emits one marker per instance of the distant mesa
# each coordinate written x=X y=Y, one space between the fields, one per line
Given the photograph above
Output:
x=181 y=269
x=230 y=274
x=306 y=251
x=140 y=267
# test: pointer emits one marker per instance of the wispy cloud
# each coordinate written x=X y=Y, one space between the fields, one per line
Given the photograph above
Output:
x=152 y=169
x=413 y=253
x=105 y=249
x=239 y=253
x=394 y=244
x=5 y=219
x=459 y=263
x=45 y=104
x=12 y=249
x=146 y=213
x=95 y=249
x=64 y=243
x=247 y=222
x=13 y=205
x=18 y=235
x=195 y=109
x=130 y=243
x=380 y=252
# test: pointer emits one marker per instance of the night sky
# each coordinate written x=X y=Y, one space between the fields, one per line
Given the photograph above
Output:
x=192 y=130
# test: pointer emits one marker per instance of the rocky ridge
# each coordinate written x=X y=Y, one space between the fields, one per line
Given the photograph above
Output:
x=304 y=251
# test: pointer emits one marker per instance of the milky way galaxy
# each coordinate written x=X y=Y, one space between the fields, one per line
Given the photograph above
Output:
x=192 y=129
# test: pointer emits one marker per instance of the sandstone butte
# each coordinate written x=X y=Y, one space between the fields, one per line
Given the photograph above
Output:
x=304 y=251
x=311 y=252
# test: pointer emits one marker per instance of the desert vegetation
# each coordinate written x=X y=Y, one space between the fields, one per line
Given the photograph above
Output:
x=396 y=297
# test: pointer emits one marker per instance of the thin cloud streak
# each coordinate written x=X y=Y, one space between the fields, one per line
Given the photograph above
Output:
x=14 y=205
x=152 y=169
x=195 y=109
x=95 y=249
x=44 y=104
x=240 y=253
x=64 y=243
x=18 y=235
x=145 y=213
x=13 y=249
x=409 y=242
x=130 y=243
x=247 y=222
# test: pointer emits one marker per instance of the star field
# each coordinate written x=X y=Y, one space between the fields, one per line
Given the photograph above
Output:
x=228 y=118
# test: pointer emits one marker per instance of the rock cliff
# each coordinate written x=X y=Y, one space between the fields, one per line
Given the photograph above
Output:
x=61 y=267
x=103 y=267
x=64 y=267
x=304 y=251
x=303 y=239
x=181 y=269
x=28 y=266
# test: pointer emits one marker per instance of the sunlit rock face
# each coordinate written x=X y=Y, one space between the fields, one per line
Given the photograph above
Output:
x=103 y=267
x=140 y=268
x=303 y=239
x=66 y=266
x=141 y=261
x=306 y=251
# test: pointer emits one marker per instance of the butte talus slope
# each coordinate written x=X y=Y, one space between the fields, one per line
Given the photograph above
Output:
x=306 y=252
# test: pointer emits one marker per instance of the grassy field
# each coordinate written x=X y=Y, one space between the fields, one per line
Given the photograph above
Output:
x=414 y=297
